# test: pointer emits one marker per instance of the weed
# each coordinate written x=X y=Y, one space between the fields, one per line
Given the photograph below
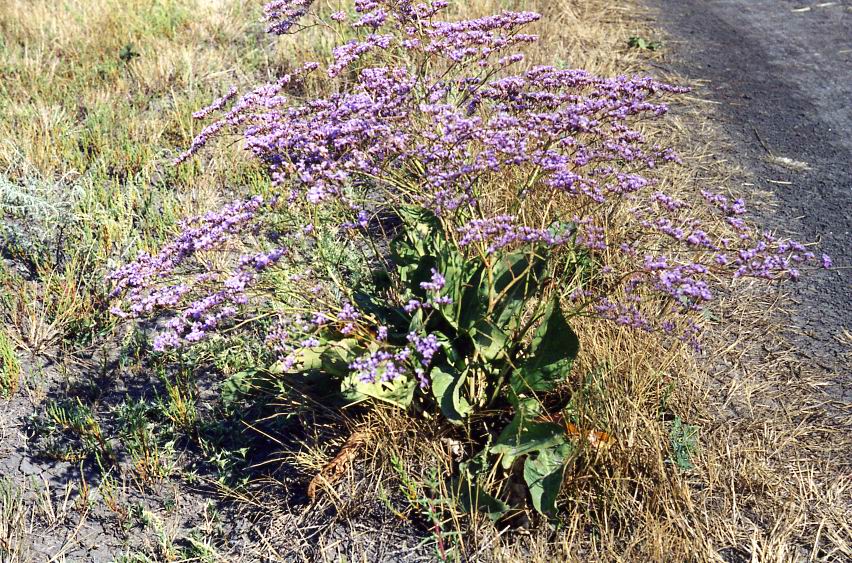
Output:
x=10 y=366
x=15 y=527
x=178 y=404
x=684 y=442
x=128 y=53
x=56 y=306
x=68 y=430
x=151 y=455
x=426 y=500
x=642 y=43
x=113 y=499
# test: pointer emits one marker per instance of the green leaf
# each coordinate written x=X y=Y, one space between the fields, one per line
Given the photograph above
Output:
x=554 y=347
x=543 y=474
x=423 y=236
x=471 y=494
x=336 y=356
x=422 y=273
x=310 y=358
x=637 y=42
x=473 y=299
x=642 y=43
x=516 y=279
x=546 y=448
x=392 y=317
x=447 y=383
x=399 y=392
x=463 y=278
x=332 y=358
x=522 y=437
x=422 y=228
x=489 y=340
x=684 y=441
x=403 y=252
x=236 y=387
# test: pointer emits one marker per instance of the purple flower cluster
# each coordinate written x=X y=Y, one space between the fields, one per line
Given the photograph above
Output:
x=453 y=132
x=345 y=55
x=204 y=316
x=427 y=113
x=692 y=259
x=435 y=284
x=217 y=104
x=478 y=39
x=434 y=298
x=387 y=365
x=501 y=231
x=282 y=15
x=425 y=346
x=208 y=232
x=166 y=281
x=381 y=365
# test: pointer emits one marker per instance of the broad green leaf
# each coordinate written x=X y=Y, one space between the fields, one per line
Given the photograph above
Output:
x=399 y=392
x=462 y=283
x=332 y=357
x=433 y=322
x=516 y=277
x=422 y=228
x=447 y=383
x=554 y=347
x=490 y=341
x=471 y=494
x=555 y=344
x=310 y=358
x=392 y=317
x=337 y=356
x=474 y=299
x=405 y=256
x=522 y=437
x=543 y=472
x=423 y=236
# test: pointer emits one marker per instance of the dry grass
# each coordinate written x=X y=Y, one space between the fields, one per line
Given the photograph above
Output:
x=95 y=101
x=29 y=512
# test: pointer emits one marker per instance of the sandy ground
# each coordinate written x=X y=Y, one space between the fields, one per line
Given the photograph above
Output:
x=779 y=78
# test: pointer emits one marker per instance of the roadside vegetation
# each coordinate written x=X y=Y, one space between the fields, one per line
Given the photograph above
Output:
x=432 y=312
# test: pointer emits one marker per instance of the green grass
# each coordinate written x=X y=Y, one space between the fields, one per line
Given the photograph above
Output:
x=10 y=366
x=88 y=136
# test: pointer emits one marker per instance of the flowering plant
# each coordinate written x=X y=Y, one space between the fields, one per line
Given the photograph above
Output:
x=445 y=218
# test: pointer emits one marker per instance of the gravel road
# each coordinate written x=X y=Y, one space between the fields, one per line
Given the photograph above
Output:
x=781 y=74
